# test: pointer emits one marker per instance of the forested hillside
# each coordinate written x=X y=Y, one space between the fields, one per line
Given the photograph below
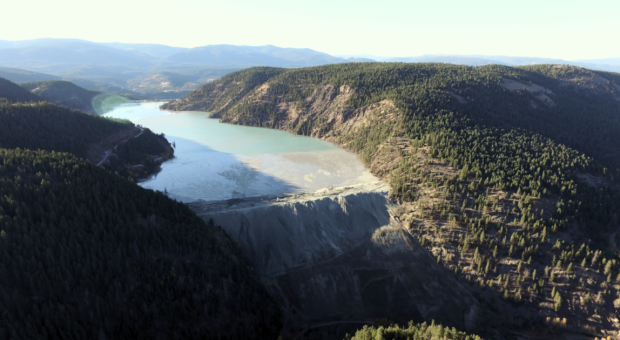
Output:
x=63 y=93
x=15 y=93
x=50 y=127
x=509 y=176
x=86 y=254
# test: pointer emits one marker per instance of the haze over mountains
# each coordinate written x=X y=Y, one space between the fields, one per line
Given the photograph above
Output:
x=143 y=71
x=151 y=71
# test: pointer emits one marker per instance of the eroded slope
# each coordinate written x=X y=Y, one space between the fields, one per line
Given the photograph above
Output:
x=340 y=255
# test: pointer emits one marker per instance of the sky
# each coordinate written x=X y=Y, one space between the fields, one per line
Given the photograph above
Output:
x=565 y=29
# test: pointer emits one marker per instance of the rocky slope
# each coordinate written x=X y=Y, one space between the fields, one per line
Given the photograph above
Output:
x=341 y=255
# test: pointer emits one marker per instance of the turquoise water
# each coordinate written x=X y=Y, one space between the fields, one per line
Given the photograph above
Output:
x=136 y=111
x=198 y=127
x=215 y=161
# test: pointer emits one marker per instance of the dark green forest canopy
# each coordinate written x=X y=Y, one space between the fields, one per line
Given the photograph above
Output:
x=45 y=126
x=14 y=93
x=50 y=127
x=63 y=93
x=85 y=254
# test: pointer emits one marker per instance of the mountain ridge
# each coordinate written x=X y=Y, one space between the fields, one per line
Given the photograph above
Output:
x=15 y=93
x=63 y=93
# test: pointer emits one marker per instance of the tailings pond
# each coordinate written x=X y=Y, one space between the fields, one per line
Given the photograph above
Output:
x=215 y=161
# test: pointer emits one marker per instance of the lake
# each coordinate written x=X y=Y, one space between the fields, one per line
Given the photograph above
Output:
x=215 y=161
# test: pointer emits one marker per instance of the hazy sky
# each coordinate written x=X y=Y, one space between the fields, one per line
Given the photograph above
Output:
x=566 y=29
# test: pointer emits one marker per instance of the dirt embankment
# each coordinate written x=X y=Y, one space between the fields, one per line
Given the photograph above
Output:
x=341 y=254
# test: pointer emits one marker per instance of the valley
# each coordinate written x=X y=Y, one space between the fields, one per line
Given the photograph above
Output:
x=309 y=170
x=479 y=199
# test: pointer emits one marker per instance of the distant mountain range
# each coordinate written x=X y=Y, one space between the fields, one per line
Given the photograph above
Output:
x=142 y=71
x=66 y=55
x=151 y=71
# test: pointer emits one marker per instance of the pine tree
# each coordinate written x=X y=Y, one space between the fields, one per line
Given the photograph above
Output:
x=608 y=267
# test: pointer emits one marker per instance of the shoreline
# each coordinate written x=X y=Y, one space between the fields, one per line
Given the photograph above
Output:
x=220 y=161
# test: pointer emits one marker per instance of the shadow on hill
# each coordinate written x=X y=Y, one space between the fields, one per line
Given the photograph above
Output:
x=341 y=259
x=200 y=173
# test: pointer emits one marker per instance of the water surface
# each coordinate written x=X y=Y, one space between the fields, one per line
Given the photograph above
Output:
x=220 y=161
